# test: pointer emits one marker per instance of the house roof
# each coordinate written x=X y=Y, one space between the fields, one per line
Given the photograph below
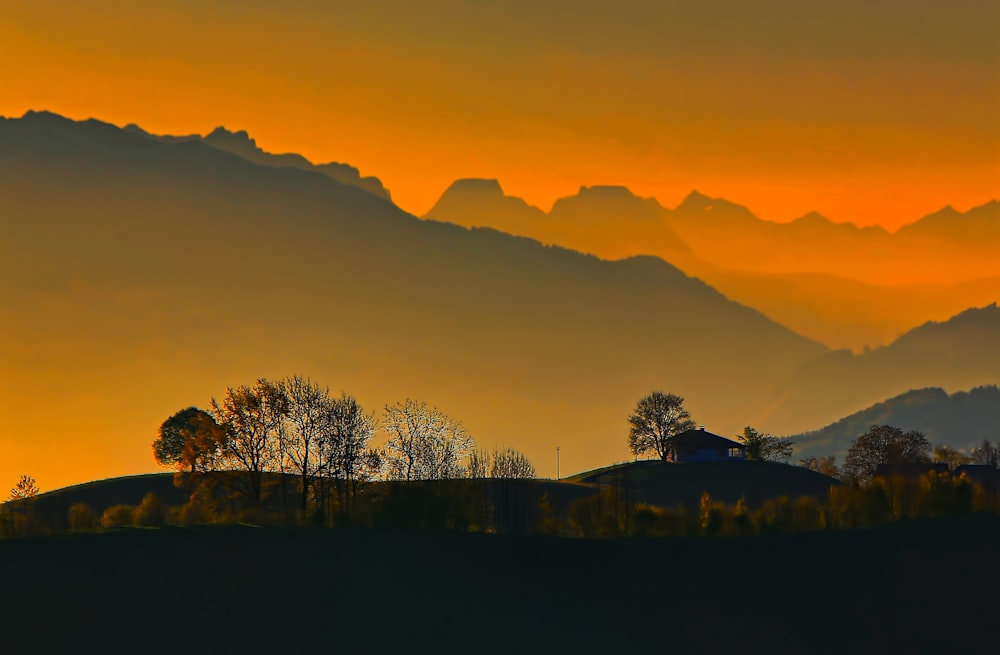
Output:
x=700 y=438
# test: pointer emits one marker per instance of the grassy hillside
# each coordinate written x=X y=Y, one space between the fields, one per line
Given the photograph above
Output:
x=253 y=590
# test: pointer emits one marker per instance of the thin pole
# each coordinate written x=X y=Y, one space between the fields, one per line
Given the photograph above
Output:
x=558 y=476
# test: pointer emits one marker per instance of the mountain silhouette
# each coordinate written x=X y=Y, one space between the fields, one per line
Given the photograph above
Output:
x=959 y=420
x=150 y=275
x=239 y=143
x=956 y=354
x=838 y=283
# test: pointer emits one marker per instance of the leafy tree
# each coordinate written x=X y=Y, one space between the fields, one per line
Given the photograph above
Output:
x=766 y=447
x=253 y=419
x=345 y=447
x=190 y=440
x=985 y=453
x=424 y=443
x=884 y=444
x=81 y=516
x=827 y=465
x=656 y=420
x=25 y=489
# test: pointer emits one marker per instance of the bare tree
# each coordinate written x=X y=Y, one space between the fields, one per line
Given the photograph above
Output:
x=424 y=443
x=344 y=449
x=656 y=420
x=500 y=464
x=305 y=430
x=253 y=418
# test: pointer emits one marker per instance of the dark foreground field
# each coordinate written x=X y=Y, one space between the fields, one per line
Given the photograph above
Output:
x=927 y=586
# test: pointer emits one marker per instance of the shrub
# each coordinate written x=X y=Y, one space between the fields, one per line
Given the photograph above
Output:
x=81 y=517
x=118 y=515
x=150 y=511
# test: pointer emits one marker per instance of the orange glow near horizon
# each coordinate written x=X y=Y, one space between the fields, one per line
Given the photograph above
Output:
x=875 y=115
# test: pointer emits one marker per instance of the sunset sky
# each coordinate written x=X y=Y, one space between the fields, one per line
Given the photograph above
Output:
x=871 y=112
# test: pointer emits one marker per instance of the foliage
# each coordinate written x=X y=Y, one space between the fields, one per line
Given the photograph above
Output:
x=25 y=489
x=190 y=440
x=884 y=444
x=118 y=516
x=657 y=418
x=766 y=447
x=150 y=511
x=424 y=443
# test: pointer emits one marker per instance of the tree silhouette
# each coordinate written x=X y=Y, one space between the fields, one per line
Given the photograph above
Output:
x=884 y=444
x=766 y=447
x=656 y=420
x=253 y=419
x=424 y=443
x=190 y=440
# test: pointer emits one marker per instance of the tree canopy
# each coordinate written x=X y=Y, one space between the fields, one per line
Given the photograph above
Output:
x=884 y=444
x=655 y=421
x=766 y=447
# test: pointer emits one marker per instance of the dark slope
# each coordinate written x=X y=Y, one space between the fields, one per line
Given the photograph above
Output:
x=960 y=353
x=240 y=144
x=960 y=420
x=252 y=590
x=150 y=275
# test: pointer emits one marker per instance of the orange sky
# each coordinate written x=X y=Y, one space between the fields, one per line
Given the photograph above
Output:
x=866 y=114
x=871 y=112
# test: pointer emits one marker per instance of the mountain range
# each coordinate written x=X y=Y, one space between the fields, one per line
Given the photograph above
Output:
x=845 y=286
x=151 y=273
x=960 y=420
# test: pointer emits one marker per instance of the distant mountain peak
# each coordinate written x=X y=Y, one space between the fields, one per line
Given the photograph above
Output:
x=606 y=191
x=477 y=185
x=696 y=201
x=813 y=217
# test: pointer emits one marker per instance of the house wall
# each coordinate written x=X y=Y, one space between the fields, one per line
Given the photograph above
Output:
x=706 y=455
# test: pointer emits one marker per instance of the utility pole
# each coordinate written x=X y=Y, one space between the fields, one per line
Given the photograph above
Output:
x=557 y=464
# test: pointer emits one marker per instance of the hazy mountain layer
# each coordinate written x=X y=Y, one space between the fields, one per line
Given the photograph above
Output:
x=957 y=354
x=147 y=276
x=845 y=286
x=960 y=420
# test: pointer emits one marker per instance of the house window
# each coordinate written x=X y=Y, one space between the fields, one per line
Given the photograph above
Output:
x=734 y=453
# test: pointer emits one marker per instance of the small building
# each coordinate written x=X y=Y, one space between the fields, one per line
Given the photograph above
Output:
x=985 y=475
x=700 y=445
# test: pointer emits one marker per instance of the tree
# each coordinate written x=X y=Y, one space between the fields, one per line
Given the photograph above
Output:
x=884 y=444
x=307 y=427
x=501 y=464
x=985 y=453
x=656 y=420
x=424 y=443
x=252 y=418
x=766 y=447
x=345 y=445
x=25 y=489
x=190 y=440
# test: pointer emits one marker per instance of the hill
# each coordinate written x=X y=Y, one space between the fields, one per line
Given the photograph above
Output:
x=956 y=354
x=671 y=484
x=152 y=275
x=255 y=590
x=960 y=420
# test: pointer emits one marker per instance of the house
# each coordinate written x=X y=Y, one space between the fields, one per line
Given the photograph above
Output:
x=700 y=445
x=986 y=475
